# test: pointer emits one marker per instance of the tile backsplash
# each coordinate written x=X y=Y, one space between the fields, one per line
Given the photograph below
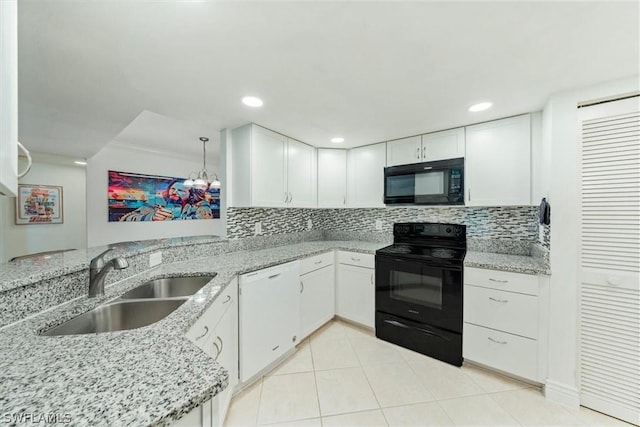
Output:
x=509 y=222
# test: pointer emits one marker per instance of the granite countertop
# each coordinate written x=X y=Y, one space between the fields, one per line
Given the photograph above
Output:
x=146 y=376
x=506 y=262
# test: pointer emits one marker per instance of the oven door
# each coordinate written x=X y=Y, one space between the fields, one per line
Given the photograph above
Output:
x=419 y=291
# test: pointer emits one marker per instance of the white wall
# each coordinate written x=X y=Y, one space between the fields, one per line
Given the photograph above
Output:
x=71 y=234
x=561 y=126
x=114 y=157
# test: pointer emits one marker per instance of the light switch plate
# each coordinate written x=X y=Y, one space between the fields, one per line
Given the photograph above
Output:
x=155 y=259
x=257 y=228
x=378 y=224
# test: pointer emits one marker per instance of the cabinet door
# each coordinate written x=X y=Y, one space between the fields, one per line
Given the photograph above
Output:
x=300 y=174
x=269 y=318
x=355 y=293
x=448 y=144
x=404 y=151
x=332 y=178
x=316 y=299
x=268 y=167
x=498 y=162
x=225 y=338
x=365 y=186
x=8 y=97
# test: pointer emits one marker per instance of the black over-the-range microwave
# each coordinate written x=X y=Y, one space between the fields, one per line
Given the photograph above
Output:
x=431 y=183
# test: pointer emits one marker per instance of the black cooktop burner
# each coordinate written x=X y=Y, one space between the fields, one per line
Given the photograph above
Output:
x=423 y=252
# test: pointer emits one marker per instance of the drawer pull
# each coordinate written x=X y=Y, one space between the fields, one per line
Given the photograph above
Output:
x=206 y=331
x=498 y=281
x=274 y=276
x=227 y=300
x=318 y=262
x=275 y=348
x=301 y=287
x=218 y=349
x=496 y=341
x=498 y=300
x=355 y=259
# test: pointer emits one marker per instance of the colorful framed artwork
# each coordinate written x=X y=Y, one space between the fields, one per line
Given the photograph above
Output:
x=140 y=197
x=39 y=204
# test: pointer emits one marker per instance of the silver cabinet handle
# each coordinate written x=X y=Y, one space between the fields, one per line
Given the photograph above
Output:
x=344 y=200
x=424 y=152
x=206 y=331
x=355 y=259
x=498 y=281
x=498 y=300
x=286 y=197
x=227 y=300
x=219 y=349
x=318 y=262
x=290 y=197
x=469 y=192
x=418 y=153
x=372 y=278
x=496 y=341
x=274 y=276
x=275 y=348
x=301 y=287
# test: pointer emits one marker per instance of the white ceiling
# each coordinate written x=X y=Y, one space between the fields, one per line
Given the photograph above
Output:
x=368 y=71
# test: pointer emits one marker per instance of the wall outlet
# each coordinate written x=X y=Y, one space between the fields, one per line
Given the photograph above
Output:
x=309 y=224
x=155 y=259
x=378 y=224
x=257 y=230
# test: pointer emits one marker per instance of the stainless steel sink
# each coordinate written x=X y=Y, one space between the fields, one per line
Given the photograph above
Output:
x=118 y=316
x=169 y=287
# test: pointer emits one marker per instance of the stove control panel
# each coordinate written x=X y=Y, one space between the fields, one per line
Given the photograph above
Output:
x=426 y=229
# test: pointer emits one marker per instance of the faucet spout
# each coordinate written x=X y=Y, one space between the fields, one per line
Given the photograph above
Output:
x=98 y=270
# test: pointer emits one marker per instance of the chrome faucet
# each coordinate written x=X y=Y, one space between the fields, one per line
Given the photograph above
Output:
x=98 y=270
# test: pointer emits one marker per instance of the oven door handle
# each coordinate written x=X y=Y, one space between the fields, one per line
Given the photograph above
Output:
x=425 y=331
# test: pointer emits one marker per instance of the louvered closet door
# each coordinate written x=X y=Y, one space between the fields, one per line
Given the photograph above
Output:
x=610 y=259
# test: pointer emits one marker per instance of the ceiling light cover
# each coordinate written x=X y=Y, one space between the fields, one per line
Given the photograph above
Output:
x=252 y=101
x=80 y=162
x=481 y=106
x=337 y=140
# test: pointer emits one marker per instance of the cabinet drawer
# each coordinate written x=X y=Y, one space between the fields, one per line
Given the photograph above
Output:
x=505 y=311
x=357 y=259
x=202 y=330
x=500 y=350
x=502 y=280
x=310 y=264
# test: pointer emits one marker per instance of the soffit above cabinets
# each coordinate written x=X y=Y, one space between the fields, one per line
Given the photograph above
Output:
x=368 y=71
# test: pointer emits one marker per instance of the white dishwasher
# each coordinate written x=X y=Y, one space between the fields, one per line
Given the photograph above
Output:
x=269 y=320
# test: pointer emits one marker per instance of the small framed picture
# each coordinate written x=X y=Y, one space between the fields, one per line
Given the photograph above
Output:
x=39 y=204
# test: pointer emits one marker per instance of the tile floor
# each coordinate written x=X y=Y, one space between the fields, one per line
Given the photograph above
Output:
x=344 y=376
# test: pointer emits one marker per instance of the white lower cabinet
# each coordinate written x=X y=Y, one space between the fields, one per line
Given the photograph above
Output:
x=355 y=288
x=216 y=333
x=317 y=293
x=269 y=321
x=505 y=323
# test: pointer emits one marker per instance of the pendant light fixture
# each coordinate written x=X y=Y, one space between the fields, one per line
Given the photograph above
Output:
x=201 y=181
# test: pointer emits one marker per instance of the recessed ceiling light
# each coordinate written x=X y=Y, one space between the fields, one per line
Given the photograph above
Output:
x=337 y=140
x=480 y=106
x=80 y=162
x=252 y=101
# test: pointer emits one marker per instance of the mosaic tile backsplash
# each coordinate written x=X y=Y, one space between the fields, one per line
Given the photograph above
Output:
x=510 y=222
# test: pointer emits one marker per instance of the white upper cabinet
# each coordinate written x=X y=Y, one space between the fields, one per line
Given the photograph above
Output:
x=8 y=97
x=301 y=166
x=365 y=181
x=332 y=178
x=498 y=162
x=404 y=151
x=448 y=144
x=271 y=170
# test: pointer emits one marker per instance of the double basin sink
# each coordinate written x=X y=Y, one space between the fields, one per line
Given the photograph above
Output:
x=141 y=306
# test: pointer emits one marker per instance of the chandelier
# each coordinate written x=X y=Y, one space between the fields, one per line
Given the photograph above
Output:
x=200 y=181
